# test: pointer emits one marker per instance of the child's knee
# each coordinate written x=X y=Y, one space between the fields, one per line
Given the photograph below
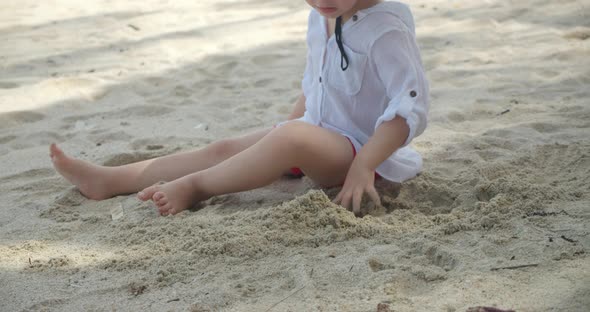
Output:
x=223 y=147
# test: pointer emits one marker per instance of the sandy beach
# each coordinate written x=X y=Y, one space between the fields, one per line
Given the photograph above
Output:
x=499 y=217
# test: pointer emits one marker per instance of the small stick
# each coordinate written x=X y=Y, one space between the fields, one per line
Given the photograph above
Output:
x=274 y=305
x=352 y=266
x=311 y=274
x=568 y=239
x=515 y=267
x=487 y=309
x=504 y=112
x=134 y=27
x=172 y=300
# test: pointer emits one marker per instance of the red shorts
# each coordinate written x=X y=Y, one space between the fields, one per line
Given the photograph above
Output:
x=297 y=173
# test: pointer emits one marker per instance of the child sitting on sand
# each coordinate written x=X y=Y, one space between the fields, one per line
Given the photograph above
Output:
x=365 y=97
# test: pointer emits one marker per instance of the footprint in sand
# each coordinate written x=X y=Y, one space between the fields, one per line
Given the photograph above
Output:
x=99 y=137
x=456 y=116
x=127 y=158
x=140 y=111
x=53 y=303
x=548 y=73
x=582 y=33
x=242 y=109
x=88 y=89
x=78 y=123
x=227 y=66
x=435 y=61
x=8 y=85
x=440 y=198
x=182 y=91
x=545 y=127
x=436 y=255
x=156 y=81
x=262 y=105
x=37 y=187
x=152 y=144
x=223 y=104
x=4 y=150
x=75 y=118
x=52 y=264
x=33 y=174
x=12 y=119
x=85 y=122
x=36 y=139
x=261 y=83
x=267 y=59
x=8 y=138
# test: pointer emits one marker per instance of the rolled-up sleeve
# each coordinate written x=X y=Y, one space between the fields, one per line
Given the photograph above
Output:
x=397 y=62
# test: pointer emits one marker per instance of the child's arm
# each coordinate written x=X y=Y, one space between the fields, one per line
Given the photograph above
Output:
x=299 y=108
x=388 y=137
x=397 y=60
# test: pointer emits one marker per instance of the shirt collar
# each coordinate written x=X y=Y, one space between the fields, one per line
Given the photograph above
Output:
x=400 y=10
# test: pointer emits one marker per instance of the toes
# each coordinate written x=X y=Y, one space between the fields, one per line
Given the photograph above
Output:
x=147 y=193
x=165 y=209
x=55 y=151
x=158 y=196
x=161 y=202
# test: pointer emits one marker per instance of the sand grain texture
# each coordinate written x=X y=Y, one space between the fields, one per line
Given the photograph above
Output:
x=500 y=217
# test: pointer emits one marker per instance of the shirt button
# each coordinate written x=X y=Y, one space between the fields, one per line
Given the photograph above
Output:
x=354 y=18
x=413 y=93
x=320 y=79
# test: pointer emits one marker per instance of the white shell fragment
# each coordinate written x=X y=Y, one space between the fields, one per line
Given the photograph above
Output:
x=117 y=212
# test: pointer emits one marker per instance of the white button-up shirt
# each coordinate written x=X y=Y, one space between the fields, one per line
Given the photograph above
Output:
x=384 y=78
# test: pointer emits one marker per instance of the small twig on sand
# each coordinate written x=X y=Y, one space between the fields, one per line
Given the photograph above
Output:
x=274 y=305
x=568 y=239
x=504 y=112
x=515 y=267
x=172 y=300
x=487 y=309
x=352 y=266
x=133 y=27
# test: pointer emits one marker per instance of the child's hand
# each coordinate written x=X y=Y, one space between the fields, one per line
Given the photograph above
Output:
x=358 y=181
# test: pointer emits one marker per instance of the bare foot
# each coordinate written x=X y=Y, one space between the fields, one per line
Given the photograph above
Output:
x=173 y=197
x=90 y=179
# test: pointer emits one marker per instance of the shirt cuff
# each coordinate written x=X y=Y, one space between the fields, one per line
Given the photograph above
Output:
x=405 y=111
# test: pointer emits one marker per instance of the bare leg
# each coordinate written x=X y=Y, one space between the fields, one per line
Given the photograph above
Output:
x=323 y=155
x=100 y=182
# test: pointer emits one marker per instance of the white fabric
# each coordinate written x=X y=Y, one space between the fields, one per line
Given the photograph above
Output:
x=385 y=78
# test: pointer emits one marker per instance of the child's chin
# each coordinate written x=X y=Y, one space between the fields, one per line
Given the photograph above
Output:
x=329 y=15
